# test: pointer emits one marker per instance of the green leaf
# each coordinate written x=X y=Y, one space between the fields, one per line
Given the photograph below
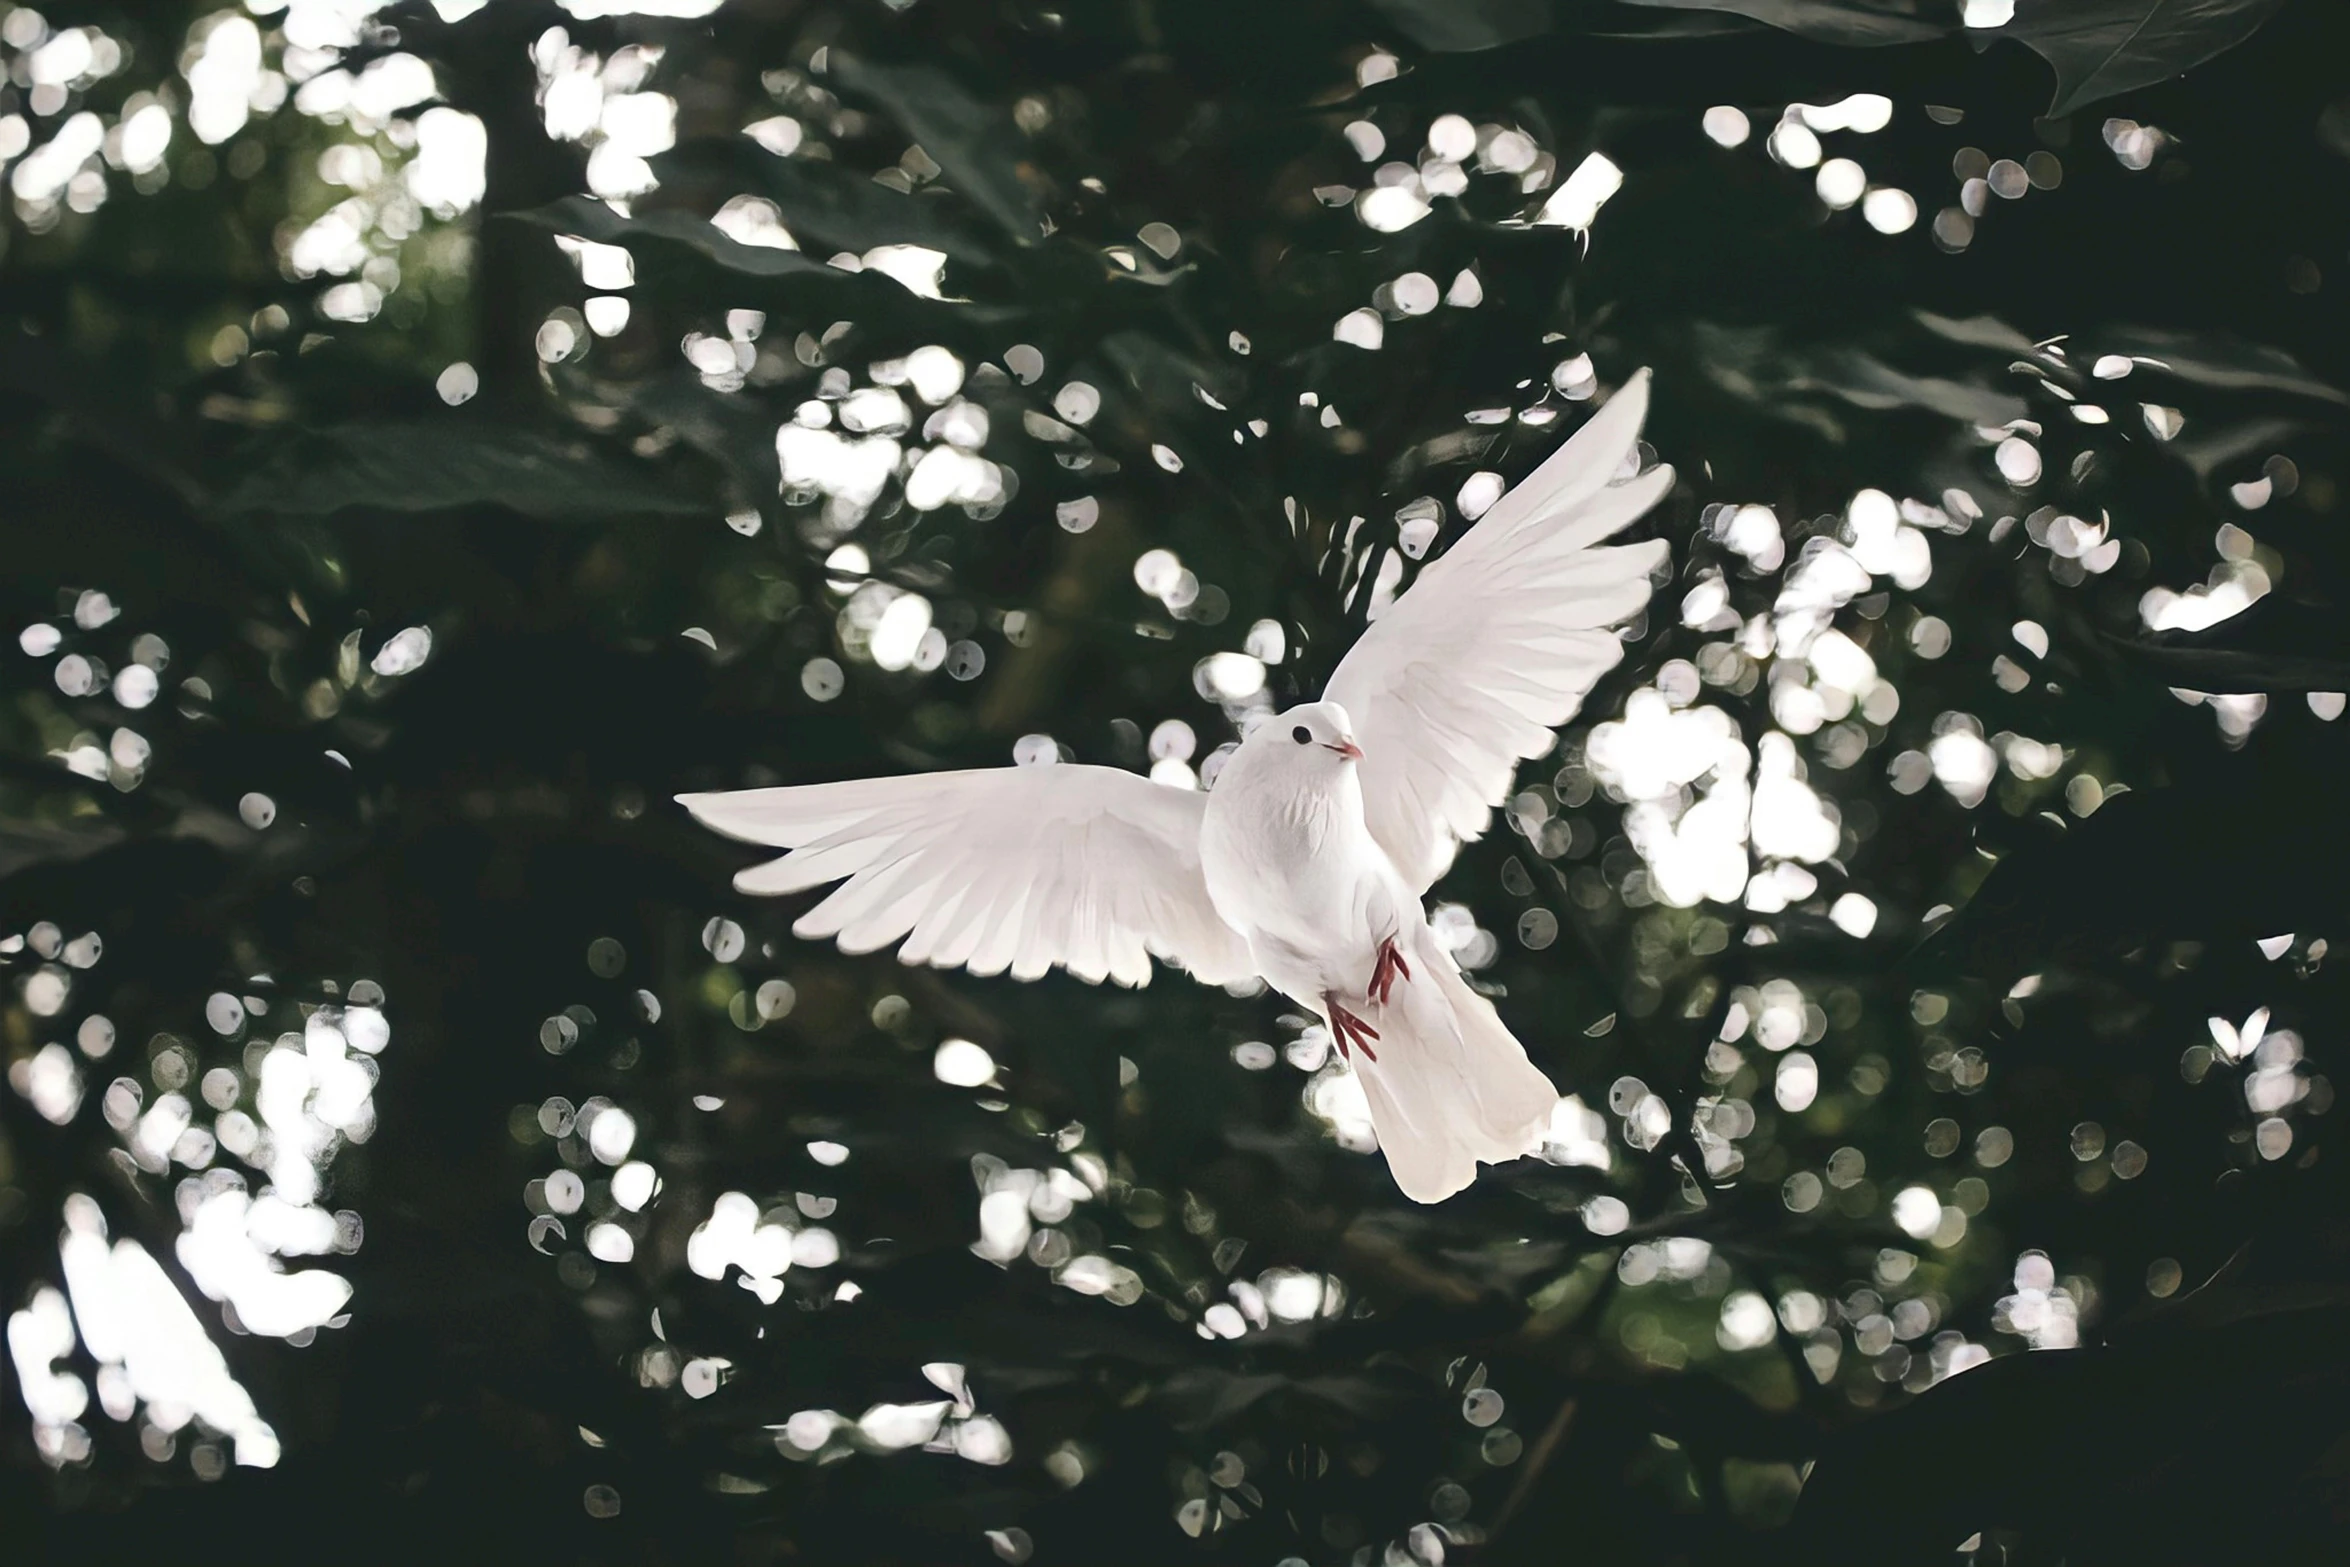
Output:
x=2098 y=47
x=2142 y=868
x=1463 y=26
x=587 y=218
x=2209 y=444
x=675 y=250
x=2221 y=360
x=1786 y=377
x=1976 y=332
x=841 y=209
x=2102 y=1454
x=2333 y=127
x=1853 y=23
x=2243 y=669
x=26 y=841
x=2103 y=47
x=443 y=464
x=1867 y=382
x=2276 y=645
x=1168 y=378
x=974 y=143
x=739 y=437
x=675 y=253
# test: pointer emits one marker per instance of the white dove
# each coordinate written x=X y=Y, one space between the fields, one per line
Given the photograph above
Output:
x=1306 y=863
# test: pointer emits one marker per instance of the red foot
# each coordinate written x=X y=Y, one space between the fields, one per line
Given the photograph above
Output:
x=1349 y=1030
x=1386 y=970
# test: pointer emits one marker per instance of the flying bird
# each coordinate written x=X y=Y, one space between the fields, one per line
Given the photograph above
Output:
x=1306 y=864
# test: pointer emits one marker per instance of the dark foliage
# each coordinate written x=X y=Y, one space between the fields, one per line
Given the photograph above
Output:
x=2031 y=1049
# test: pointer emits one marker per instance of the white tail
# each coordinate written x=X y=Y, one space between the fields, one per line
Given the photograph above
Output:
x=1451 y=1084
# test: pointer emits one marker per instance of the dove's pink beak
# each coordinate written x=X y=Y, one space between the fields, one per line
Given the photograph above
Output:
x=1348 y=749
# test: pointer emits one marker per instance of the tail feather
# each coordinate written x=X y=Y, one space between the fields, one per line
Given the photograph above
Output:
x=1451 y=1085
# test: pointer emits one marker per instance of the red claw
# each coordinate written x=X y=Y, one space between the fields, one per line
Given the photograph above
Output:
x=1350 y=1031
x=1385 y=972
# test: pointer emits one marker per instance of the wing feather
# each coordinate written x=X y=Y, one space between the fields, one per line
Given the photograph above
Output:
x=934 y=928
x=1019 y=868
x=990 y=906
x=1023 y=950
x=1498 y=640
x=891 y=907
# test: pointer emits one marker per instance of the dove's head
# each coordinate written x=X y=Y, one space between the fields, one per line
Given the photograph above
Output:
x=1311 y=739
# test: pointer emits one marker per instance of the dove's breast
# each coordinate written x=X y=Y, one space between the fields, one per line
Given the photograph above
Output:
x=1300 y=876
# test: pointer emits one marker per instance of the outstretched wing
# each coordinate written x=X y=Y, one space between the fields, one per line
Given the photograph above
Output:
x=1496 y=642
x=1017 y=868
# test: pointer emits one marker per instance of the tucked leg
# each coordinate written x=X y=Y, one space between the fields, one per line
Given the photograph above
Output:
x=1389 y=967
x=1350 y=1031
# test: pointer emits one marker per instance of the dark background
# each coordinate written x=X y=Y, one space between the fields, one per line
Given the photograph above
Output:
x=274 y=492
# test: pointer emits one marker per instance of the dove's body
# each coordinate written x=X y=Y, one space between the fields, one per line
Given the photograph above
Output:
x=1325 y=829
x=1296 y=871
x=1290 y=863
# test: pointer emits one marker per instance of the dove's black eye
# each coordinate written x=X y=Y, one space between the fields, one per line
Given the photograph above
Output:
x=1302 y=735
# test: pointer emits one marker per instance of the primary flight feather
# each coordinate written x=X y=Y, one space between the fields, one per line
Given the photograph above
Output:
x=1307 y=862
